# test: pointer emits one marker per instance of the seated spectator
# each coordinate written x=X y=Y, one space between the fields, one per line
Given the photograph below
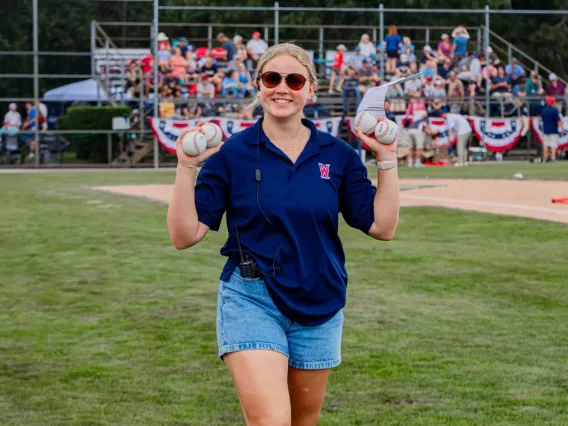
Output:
x=184 y=46
x=367 y=48
x=178 y=65
x=365 y=77
x=438 y=103
x=231 y=85
x=241 y=48
x=356 y=61
x=205 y=89
x=245 y=79
x=516 y=72
x=500 y=84
x=228 y=46
x=428 y=88
x=445 y=47
x=164 y=51
x=444 y=68
x=12 y=119
x=192 y=110
x=416 y=106
x=413 y=88
x=218 y=54
x=533 y=89
x=255 y=48
x=427 y=55
x=429 y=69
x=407 y=48
x=554 y=88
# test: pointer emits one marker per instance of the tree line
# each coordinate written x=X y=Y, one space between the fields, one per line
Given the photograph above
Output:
x=64 y=26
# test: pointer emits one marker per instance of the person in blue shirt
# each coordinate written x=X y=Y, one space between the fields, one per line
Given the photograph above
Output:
x=552 y=126
x=282 y=184
x=393 y=42
x=459 y=46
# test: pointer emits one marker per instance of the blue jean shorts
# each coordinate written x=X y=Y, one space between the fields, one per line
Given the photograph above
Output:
x=248 y=319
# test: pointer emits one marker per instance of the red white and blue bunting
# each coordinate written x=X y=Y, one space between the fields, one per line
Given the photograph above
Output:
x=167 y=131
x=497 y=134
x=536 y=124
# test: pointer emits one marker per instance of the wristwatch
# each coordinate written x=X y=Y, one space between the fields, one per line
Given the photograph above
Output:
x=387 y=165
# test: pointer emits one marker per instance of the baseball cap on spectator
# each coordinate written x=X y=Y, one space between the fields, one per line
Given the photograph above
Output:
x=162 y=37
x=184 y=39
x=357 y=49
x=445 y=37
x=550 y=100
x=341 y=47
x=256 y=34
x=552 y=77
x=428 y=48
x=13 y=106
x=490 y=49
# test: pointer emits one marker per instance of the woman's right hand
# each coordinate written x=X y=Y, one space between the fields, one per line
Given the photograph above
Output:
x=187 y=159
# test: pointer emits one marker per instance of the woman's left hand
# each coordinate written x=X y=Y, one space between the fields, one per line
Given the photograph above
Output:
x=383 y=152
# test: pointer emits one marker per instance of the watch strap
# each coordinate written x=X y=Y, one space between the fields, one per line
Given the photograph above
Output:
x=387 y=165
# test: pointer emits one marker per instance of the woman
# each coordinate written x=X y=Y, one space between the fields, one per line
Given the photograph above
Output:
x=282 y=183
x=178 y=65
x=392 y=41
x=445 y=47
x=231 y=84
x=367 y=47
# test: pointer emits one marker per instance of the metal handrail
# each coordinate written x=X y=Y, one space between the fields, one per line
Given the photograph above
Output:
x=539 y=66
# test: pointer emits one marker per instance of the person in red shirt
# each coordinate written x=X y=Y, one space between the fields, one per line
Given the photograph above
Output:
x=338 y=68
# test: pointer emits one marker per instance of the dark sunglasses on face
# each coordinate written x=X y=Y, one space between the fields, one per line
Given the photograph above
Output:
x=271 y=79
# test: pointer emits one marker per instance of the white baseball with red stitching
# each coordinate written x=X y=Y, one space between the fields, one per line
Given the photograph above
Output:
x=194 y=143
x=386 y=132
x=213 y=134
x=366 y=122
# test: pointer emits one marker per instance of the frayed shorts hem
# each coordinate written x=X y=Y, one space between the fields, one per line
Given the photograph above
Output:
x=322 y=365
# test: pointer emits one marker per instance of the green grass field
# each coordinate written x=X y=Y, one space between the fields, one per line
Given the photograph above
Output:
x=462 y=319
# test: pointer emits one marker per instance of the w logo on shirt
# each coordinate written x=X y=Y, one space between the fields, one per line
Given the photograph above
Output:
x=324 y=170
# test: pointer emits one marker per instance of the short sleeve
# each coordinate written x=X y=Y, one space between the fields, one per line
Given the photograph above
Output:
x=212 y=191
x=357 y=194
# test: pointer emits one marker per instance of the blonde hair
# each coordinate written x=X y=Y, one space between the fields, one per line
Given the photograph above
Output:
x=288 y=49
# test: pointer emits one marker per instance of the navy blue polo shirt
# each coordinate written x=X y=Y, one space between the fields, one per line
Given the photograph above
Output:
x=550 y=118
x=288 y=222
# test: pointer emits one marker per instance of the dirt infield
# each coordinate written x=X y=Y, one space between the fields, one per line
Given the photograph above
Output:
x=516 y=198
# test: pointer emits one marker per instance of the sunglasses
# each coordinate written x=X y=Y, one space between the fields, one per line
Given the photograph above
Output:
x=271 y=79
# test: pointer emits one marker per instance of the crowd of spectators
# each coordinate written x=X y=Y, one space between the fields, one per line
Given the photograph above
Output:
x=454 y=79
x=187 y=71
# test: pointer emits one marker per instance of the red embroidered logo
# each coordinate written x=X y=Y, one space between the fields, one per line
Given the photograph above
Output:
x=324 y=170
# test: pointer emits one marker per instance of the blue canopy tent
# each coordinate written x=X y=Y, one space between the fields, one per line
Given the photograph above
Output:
x=82 y=91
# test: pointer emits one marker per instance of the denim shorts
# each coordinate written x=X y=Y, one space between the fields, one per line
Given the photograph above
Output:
x=248 y=319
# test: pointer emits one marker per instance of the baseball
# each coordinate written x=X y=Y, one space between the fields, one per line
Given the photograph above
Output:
x=366 y=122
x=213 y=134
x=386 y=132
x=194 y=143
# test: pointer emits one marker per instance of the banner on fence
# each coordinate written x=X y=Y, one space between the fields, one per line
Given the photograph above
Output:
x=536 y=124
x=498 y=135
x=167 y=131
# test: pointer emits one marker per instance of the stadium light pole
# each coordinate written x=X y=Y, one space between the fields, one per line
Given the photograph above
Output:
x=36 y=80
x=156 y=92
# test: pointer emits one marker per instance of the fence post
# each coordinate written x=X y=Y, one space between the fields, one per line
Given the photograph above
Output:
x=321 y=52
x=156 y=91
x=487 y=84
x=381 y=38
x=109 y=148
x=276 y=23
x=36 y=80
x=209 y=37
x=427 y=38
x=266 y=34
x=93 y=47
x=478 y=39
x=509 y=54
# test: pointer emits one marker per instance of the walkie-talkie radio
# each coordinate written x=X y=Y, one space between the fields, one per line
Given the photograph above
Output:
x=247 y=264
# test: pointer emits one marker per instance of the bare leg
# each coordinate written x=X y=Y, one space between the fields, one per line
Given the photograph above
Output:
x=307 y=392
x=261 y=380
